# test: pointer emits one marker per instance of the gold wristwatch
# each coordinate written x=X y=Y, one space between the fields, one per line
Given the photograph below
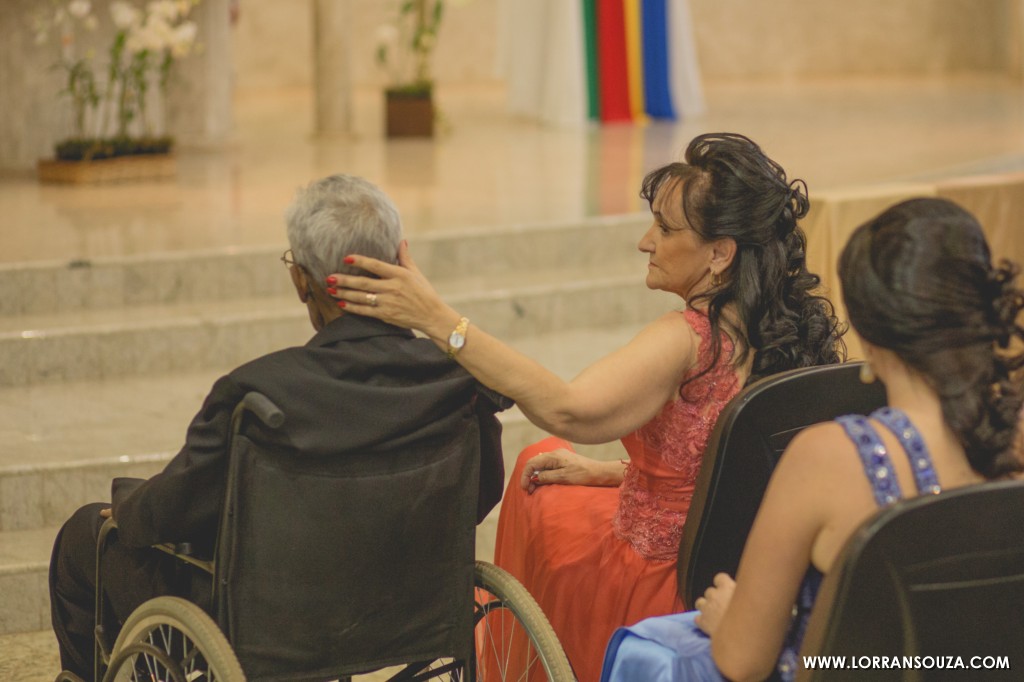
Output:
x=457 y=339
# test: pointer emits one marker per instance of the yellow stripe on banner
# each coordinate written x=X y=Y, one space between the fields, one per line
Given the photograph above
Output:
x=635 y=60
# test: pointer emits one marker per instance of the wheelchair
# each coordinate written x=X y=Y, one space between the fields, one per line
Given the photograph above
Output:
x=422 y=621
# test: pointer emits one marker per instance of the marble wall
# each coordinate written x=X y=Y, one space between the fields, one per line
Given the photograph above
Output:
x=735 y=39
x=28 y=88
x=809 y=38
x=273 y=43
x=34 y=115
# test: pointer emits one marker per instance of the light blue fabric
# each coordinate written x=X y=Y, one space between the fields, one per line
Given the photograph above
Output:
x=660 y=649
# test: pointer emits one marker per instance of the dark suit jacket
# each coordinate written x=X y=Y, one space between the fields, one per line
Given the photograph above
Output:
x=359 y=385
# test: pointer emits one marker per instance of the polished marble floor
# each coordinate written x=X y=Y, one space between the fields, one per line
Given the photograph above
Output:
x=488 y=169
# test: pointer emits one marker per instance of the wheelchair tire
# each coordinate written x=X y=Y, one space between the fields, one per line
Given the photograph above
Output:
x=168 y=638
x=498 y=591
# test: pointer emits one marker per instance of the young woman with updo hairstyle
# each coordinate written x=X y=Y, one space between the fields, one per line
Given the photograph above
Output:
x=595 y=542
x=939 y=328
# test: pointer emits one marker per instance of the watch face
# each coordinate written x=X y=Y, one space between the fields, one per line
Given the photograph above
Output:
x=456 y=340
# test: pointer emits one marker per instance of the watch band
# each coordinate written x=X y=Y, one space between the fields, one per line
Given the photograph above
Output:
x=457 y=339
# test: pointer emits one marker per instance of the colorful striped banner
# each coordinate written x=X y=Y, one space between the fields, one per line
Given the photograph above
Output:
x=629 y=60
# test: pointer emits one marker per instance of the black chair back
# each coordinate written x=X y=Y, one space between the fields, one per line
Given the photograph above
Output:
x=363 y=560
x=746 y=443
x=935 y=576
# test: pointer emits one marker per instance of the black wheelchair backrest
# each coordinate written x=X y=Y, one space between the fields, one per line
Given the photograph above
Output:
x=329 y=566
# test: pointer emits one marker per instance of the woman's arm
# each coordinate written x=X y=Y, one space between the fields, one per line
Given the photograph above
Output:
x=748 y=620
x=608 y=400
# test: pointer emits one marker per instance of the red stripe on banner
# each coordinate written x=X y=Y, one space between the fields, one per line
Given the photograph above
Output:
x=611 y=55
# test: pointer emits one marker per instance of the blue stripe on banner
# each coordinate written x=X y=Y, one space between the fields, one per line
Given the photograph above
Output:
x=657 y=92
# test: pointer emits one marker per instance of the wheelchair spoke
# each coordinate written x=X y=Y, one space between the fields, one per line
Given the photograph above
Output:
x=498 y=642
x=151 y=665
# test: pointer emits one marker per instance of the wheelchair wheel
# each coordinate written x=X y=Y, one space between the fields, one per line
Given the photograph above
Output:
x=514 y=640
x=172 y=640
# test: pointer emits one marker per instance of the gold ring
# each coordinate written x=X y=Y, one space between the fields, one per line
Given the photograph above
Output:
x=371 y=300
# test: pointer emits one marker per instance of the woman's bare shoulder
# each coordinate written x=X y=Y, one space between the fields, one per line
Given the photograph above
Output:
x=822 y=450
x=675 y=333
x=674 y=322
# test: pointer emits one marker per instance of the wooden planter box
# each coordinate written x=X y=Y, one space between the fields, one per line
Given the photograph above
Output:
x=119 y=169
x=409 y=114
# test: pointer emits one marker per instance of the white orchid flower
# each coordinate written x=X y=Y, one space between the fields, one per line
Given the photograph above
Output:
x=79 y=8
x=124 y=14
x=167 y=10
x=183 y=38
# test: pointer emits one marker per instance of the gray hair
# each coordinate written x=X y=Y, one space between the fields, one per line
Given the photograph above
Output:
x=337 y=216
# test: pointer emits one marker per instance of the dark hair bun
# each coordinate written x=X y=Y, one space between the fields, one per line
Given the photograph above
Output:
x=1007 y=302
x=799 y=202
x=918 y=280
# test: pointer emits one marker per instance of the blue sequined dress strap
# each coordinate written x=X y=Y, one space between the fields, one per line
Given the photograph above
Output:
x=874 y=457
x=917 y=452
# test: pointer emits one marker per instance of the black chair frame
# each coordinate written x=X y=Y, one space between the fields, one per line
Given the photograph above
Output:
x=750 y=435
x=933 y=576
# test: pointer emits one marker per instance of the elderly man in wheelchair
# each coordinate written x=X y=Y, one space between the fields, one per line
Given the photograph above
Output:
x=322 y=510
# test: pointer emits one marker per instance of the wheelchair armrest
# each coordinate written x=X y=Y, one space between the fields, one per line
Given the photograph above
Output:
x=183 y=551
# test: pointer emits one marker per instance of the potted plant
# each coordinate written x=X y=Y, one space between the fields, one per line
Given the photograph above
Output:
x=114 y=136
x=404 y=49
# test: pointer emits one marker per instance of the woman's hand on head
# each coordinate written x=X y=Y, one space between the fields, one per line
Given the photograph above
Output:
x=714 y=603
x=565 y=467
x=401 y=296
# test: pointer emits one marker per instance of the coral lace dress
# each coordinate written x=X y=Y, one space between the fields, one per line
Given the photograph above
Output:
x=598 y=558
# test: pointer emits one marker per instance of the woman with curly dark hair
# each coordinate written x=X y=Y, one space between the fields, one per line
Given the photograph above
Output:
x=595 y=542
x=939 y=328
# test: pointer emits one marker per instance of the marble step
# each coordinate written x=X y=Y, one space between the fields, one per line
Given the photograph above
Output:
x=25 y=554
x=47 y=490
x=64 y=442
x=67 y=442
x=50 y=288
x=29 y=656
x=106 y=344
x=24 y=560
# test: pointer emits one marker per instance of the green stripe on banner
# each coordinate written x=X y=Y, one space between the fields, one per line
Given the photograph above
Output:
x=590 y=47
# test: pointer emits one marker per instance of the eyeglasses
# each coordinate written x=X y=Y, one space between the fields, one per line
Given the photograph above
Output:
x=288 y=258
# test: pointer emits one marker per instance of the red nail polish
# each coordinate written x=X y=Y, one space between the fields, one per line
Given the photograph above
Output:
x=341 y=304
x=332 y=280
x=332 y=291
x=350 y=260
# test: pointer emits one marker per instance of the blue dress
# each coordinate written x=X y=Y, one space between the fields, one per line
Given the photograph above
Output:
x=673 y=649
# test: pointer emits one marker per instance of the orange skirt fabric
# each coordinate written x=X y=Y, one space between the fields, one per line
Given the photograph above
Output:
x=559 y=542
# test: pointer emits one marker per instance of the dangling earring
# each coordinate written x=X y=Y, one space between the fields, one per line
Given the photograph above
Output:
x=867 y=375
x=716 y=279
